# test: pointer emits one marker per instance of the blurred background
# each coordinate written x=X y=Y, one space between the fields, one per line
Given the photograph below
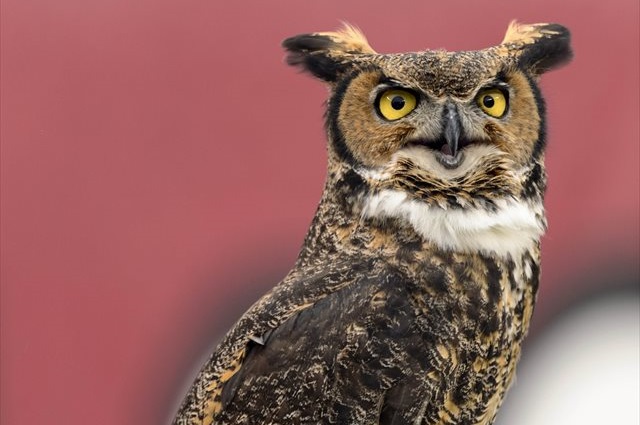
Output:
x=160 y=165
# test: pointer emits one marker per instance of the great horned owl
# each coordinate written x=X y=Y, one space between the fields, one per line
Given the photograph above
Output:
x=417 y=279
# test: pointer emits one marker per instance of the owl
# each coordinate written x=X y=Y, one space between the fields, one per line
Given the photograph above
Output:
x=417 y=279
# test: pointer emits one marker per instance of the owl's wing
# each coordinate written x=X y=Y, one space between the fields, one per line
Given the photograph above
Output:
x=344 y=345
x=285 y=301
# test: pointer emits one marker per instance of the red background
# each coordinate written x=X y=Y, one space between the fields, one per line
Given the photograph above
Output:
x=160 y=165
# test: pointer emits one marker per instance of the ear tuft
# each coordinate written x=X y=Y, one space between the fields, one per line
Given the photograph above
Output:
x=326 y=55
x=538 y=47
x=311 y=53
x=351 y=40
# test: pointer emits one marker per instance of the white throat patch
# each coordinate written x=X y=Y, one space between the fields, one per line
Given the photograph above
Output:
x=514 y=227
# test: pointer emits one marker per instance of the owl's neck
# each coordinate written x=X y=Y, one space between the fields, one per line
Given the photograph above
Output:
x=352 y=217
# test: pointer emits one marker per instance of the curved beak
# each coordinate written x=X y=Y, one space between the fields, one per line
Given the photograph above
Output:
x=452 y=129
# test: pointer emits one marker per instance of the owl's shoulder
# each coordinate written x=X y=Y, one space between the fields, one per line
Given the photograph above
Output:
x=333 y=345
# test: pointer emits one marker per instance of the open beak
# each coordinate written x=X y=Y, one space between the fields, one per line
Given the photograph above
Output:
x=451 y=140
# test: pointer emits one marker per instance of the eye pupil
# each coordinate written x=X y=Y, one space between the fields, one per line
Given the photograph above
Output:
x=397 y=103
x=488 y=101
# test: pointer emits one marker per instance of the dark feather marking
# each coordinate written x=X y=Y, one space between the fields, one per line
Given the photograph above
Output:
x=311 y=53
x=494 y=289
x=541 y=143
x=534 y=183
x=331 y=120
x=547 y=52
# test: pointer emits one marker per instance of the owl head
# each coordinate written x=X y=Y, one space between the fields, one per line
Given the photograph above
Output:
x=437 y=129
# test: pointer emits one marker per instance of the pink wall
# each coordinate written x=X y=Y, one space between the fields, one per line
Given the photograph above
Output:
x=160 y=165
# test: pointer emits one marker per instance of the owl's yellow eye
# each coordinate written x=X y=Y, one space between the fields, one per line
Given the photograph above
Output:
x=395 y=104
x=493 y=102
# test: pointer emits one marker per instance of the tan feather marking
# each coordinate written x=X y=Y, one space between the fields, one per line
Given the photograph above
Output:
x=301 y=307
x=359 y=126
x=380 y=241
x=379 y=299
x=525 y=34
x=491 y=408
x=479 y=364
x=212 y=405
x=445 y=418
x=443 y=351
x=343 y=232
x=433 y=376
x=451 y=406
x=350 y=39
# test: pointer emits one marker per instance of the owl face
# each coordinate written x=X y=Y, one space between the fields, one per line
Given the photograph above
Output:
x=436 y=116
x=437 y=131
x=385 y=113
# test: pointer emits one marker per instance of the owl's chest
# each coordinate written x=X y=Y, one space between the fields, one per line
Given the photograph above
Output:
x=474 y=313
